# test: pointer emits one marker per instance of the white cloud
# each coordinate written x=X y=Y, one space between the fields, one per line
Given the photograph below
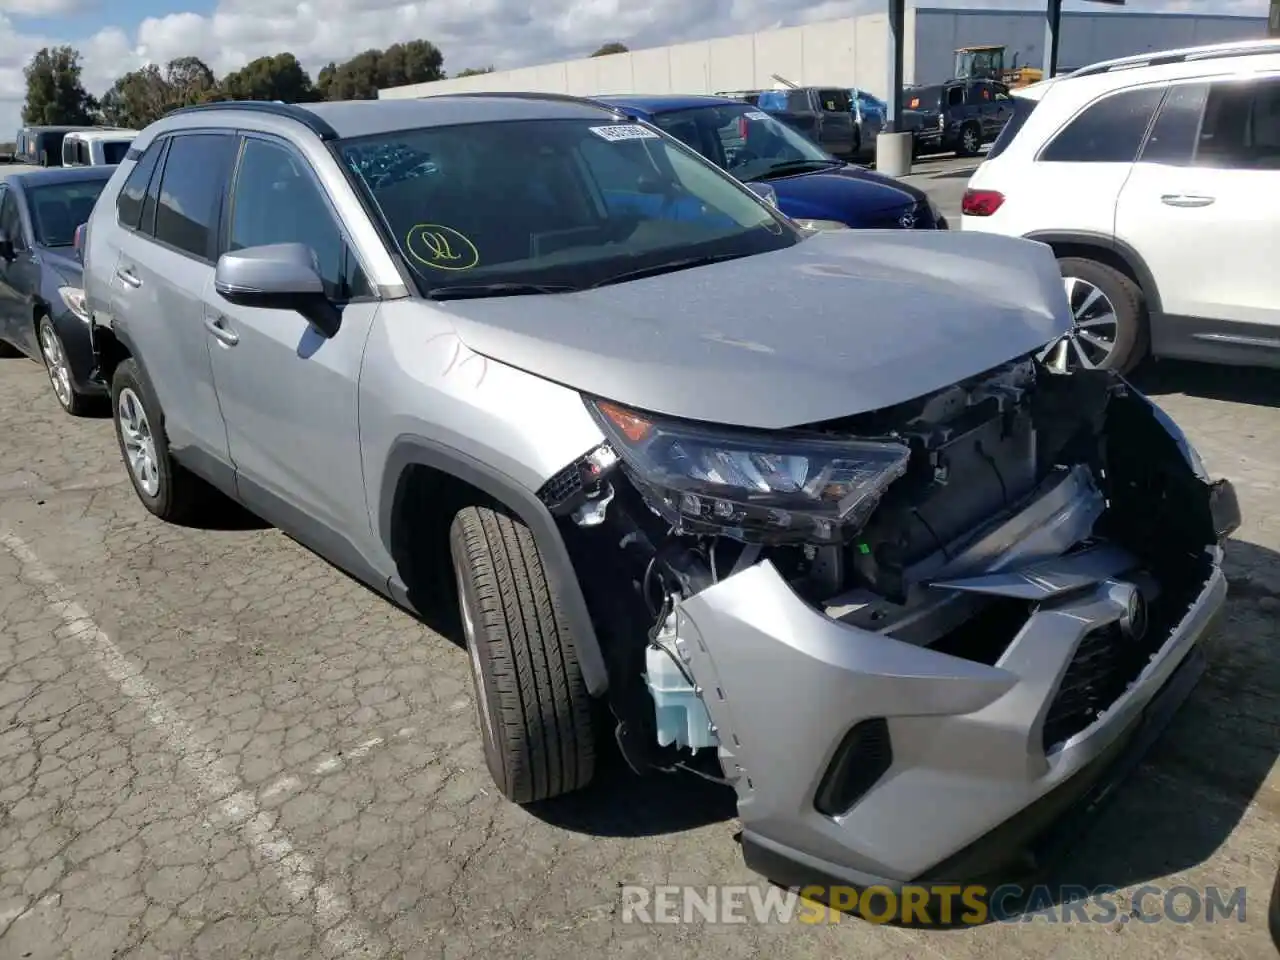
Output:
x=471 y=33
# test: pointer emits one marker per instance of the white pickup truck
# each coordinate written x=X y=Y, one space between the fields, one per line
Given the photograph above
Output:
x=94 y=148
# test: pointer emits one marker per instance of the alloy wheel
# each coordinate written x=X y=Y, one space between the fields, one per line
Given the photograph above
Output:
x=1094 y=328
x=970 y=140
x=55 y=362
x=139 y=443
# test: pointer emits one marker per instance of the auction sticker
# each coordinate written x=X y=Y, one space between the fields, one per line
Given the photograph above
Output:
x=756 y=115
x=616 y=132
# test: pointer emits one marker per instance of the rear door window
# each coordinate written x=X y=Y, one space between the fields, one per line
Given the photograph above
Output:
x=1173 y=136
x=1109 y=130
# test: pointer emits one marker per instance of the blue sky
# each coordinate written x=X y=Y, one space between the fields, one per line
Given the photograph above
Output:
x=119 y=35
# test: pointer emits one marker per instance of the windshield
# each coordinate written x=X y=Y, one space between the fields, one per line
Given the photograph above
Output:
x=57 y=209
x=748 y=143
x=556 y=203
x=113 y=151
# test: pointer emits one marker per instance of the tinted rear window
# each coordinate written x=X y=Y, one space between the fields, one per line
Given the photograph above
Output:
x=113 y=151
x=1022 y=109
x=923 y=98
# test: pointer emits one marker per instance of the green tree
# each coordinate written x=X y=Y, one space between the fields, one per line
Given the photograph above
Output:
x=270 y=78
x=360 y=78
x=145 y=95
x=609 y=49
x=55 y=93
x=473 y=71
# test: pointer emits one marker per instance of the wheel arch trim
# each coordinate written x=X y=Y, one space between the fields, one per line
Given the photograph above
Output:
x=409 y=450
x=1085 y=238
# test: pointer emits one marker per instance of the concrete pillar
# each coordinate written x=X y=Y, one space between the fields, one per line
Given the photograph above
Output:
x=1273 y=21
x=893 y=144
x=1052 y=29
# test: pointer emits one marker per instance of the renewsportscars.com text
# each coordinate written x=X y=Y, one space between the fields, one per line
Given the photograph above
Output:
x=946 y=905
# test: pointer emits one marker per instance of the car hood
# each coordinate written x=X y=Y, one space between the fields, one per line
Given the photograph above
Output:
x=845 y=194
x=841 y=323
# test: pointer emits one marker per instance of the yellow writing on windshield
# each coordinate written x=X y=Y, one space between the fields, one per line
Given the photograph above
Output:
x=441 y=248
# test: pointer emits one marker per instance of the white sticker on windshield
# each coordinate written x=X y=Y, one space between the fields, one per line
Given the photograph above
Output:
x=756 y=115
x=616 y=132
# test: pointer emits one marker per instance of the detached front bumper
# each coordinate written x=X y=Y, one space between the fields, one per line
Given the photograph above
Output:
x=864 y=760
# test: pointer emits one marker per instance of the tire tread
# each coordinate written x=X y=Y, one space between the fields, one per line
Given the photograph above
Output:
x=543 y=710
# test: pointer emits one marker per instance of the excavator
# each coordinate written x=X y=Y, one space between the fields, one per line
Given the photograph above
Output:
x=987 y=63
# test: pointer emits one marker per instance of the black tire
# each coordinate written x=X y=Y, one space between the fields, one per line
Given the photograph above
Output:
x=539 y=739
x=181 y=497
x=1131 y=337
x=970 y=140
x=78 y=404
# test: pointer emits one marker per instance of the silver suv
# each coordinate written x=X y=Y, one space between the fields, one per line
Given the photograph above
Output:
x=805 y=505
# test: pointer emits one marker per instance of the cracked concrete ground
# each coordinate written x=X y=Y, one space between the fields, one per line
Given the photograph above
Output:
x=214 y=745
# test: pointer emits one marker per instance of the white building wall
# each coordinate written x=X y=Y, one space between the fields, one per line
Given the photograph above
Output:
x=849 y=52
x=1086 y=37
x=852 y=52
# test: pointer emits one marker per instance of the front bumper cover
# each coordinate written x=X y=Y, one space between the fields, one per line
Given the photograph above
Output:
x=970 y=788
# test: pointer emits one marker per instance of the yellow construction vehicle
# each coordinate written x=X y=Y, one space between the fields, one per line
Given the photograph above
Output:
x=987 y=62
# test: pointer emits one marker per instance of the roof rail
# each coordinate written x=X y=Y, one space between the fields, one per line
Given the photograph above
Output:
x=516 y=95
x=289 y=111
x=1215 y=51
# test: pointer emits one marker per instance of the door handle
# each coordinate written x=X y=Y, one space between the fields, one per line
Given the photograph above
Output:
x=128 y=277
x=217 y=326
x=1185 y=200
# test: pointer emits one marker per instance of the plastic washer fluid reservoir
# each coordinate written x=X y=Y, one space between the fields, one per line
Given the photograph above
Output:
x=681 y=717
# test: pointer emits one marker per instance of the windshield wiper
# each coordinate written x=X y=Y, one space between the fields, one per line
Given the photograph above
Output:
x=671 y=266
x=471 y=291
x=793 y=166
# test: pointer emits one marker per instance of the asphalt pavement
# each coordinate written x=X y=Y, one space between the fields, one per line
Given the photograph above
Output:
x=215 y=745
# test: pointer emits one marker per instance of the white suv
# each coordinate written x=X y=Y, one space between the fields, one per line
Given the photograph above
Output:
x=1156 y=180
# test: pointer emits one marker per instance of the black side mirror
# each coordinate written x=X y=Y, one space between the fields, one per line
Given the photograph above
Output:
x=7 y=252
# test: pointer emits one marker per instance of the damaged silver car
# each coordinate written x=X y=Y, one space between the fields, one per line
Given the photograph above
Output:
x=805 y=506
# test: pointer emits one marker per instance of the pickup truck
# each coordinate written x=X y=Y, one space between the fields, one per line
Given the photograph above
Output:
x=823 y=114
x=956 y=116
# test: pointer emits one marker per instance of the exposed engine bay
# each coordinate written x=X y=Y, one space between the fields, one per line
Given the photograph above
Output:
x=940 y=522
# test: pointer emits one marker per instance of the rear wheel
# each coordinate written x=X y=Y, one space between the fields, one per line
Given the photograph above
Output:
x=58 y=367
x=534 y=709
x=1109 y=328
x=166 y=488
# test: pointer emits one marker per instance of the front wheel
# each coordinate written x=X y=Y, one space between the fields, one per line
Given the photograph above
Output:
x=1108 y=320
x=534 y=710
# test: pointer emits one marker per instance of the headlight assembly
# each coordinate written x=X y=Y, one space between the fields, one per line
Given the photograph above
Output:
x=758 y=487
x=817 y=225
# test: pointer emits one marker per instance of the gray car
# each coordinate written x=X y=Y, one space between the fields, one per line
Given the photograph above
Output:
x=803 y=504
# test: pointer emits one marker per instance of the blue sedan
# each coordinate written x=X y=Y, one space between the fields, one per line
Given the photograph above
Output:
x=809 y=185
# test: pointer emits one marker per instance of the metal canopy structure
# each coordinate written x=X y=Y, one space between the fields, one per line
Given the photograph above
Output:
x=897 y=36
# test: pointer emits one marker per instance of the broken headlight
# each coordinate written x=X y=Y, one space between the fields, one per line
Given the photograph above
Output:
x=757 y=487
